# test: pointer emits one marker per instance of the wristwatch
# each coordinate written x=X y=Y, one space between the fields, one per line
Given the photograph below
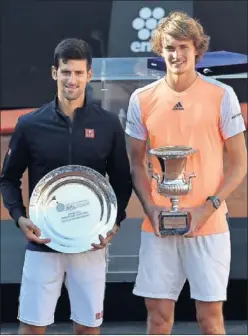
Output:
x=215 y=201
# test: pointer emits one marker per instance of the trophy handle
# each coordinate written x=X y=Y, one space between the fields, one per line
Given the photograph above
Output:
x=191 y=176
x=156 y=177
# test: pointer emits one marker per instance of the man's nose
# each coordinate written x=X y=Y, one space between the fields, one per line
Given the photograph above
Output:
x=72 y=78
x=176 y=53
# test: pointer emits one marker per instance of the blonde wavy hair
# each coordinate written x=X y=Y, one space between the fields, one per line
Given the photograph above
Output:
x=180 y=26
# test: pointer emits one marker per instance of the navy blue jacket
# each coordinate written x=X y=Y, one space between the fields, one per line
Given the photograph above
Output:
x=46 y=139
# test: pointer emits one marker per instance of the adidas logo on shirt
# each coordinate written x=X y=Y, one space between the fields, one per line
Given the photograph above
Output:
x=178 y=107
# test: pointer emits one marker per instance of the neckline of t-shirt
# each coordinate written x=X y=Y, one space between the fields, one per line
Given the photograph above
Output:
x=185 y=92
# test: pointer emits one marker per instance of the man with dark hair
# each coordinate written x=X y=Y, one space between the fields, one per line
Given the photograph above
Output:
x=73 y=49
x=56 y=135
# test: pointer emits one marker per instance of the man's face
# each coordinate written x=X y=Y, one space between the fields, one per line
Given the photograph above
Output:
x=72 y=78
x=179 y=55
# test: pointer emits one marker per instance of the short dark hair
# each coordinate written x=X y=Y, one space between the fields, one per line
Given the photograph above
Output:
x=72 y=49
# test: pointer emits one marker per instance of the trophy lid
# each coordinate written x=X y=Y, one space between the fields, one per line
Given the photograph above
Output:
x=172 y=152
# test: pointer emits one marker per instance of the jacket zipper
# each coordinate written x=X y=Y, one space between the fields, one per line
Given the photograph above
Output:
x=71 y=122
x=70 y=147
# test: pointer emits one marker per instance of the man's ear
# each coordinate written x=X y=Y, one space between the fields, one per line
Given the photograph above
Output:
x=54 y=72
x=90 y=75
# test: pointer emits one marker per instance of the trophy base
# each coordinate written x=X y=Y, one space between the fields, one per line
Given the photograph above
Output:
x=174 y=223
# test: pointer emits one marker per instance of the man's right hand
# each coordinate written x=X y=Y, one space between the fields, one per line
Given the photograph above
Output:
x=153 y=211
x=31 y=231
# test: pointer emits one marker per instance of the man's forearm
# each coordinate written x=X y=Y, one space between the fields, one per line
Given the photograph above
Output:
x=237 y=169
x=231 y=181
x=141 y=185
x=12 y=198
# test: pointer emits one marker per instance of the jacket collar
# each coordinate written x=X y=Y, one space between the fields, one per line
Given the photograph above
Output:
x=89 y=99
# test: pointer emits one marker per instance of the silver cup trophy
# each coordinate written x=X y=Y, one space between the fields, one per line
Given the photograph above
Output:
x=173 y=184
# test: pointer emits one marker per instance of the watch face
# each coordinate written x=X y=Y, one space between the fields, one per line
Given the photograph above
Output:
x=216 y=202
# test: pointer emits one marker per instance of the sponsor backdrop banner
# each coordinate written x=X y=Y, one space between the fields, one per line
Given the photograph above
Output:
x=31 y=29
x=132 y=23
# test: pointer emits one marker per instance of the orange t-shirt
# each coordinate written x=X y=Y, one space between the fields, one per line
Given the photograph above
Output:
x=202 y=117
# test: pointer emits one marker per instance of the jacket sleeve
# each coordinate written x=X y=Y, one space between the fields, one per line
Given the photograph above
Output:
x=118 y=170
x=14 y=165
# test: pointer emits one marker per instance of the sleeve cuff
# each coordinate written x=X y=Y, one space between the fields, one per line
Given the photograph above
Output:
x=16 y=214
x=120 y=218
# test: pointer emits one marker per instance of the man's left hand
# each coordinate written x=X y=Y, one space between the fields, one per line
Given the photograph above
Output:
x=105 y=241
x=199 y=217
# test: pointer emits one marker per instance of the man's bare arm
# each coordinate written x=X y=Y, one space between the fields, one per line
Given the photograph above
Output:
x=138 y=162
x=237 y=157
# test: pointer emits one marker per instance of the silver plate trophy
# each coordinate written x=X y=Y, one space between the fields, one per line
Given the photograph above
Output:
x=173 y=183
x=73 y=205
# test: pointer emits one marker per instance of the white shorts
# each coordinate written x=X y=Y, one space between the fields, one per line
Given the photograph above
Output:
x=43 y=275
x=166 y=263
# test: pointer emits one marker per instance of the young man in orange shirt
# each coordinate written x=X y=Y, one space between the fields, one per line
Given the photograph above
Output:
x=208 y=119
